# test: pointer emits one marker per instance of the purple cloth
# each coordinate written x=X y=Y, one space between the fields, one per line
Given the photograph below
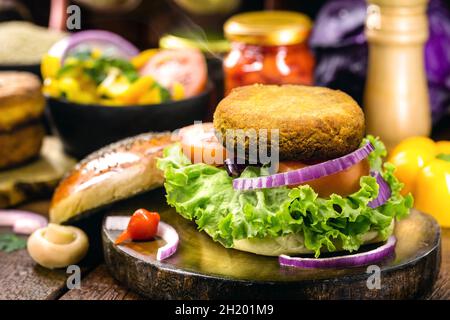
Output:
x=340 y=46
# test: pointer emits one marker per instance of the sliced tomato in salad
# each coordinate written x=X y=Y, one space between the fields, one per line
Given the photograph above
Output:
x=200 y=144
x=174 y=67
x=342 y=183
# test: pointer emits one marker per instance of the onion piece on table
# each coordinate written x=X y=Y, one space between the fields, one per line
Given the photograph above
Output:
x=305 y=174
x=165 y=231
x=384 y=192
x=22 y=222
x=352 y=260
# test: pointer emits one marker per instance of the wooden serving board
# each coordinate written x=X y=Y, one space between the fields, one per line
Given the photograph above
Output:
x=36 y=178
x=203 y=269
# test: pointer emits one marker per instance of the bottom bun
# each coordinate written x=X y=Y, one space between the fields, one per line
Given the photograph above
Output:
x=293 y=244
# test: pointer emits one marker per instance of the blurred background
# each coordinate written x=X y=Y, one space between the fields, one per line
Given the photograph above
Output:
x=337 y=42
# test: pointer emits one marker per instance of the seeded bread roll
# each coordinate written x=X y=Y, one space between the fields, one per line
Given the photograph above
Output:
x=115 y=172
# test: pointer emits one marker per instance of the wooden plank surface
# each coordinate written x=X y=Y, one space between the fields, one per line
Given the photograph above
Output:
x=21 y=278
x=99 y=285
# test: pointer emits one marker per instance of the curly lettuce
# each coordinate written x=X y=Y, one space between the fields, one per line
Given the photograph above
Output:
x=205 y=194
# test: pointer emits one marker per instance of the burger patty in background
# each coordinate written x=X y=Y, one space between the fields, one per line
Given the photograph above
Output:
x=21 y=108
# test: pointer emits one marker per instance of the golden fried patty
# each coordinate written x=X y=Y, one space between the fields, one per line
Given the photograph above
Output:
x=314 y=123
x=20 y=144
x=21 y=99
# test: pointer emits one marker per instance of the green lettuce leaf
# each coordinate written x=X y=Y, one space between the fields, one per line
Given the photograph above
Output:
x=205 y=194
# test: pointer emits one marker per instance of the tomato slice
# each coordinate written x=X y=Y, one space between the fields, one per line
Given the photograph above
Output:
x=143 y=225
x=342 y=183
x=200 y=144
x=185 y=67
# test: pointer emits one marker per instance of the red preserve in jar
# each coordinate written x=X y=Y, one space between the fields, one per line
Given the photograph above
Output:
x=268 y=47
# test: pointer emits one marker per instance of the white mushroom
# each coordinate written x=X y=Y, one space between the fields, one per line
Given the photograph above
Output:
x=57 y=246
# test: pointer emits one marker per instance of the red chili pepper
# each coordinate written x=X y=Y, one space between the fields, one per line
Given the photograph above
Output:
x=143 y=225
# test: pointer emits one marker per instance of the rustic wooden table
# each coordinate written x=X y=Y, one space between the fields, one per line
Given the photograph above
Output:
x=21 y=278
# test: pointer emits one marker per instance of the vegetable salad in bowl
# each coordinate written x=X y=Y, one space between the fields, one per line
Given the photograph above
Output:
x=96 y=67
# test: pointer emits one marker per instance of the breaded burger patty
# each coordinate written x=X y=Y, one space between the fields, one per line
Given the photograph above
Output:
x=314 y=123
x=21 y=99
x=21 y=144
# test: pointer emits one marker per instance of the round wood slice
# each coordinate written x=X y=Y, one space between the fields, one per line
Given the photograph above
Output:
x=203 y=269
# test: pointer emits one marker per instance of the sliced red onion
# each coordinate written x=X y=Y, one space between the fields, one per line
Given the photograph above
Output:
x=384 y=192
x=170 y=235
x=165 y=231
x=353 y=260
x=22 y=222
x=99 y=38
x=234 y=169
x=304 y=174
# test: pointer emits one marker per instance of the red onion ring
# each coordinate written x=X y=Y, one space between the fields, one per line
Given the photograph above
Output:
x=126 y=48
x=305 y=174
x=170 y=235
x=22 y=222
x=384 y=192
x=353 y=260
x=61 y=48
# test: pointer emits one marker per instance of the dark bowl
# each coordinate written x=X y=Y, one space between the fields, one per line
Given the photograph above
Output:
x=86 y=128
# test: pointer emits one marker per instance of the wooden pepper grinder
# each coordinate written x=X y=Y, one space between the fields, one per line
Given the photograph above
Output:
x=396 y=95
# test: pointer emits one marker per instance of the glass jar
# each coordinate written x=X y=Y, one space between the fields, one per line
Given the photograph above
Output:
x=268 y=47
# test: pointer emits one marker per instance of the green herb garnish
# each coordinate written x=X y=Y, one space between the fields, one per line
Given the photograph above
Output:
x=444 y=156
x=165 y=94
x=100 y=67
x=9 y=242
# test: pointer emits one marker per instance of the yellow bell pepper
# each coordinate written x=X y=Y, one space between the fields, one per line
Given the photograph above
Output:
x=141 y=59
x=50 y=66
x=136 y=90
x=96 y=53
x=151 y=97
x=177 y=91
x=51 y=88
x=424 y=167
x=114 y=85
x=70 y=87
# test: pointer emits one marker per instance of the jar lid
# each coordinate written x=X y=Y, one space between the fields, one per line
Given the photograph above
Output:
x=212 y=43
x=268 y=27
